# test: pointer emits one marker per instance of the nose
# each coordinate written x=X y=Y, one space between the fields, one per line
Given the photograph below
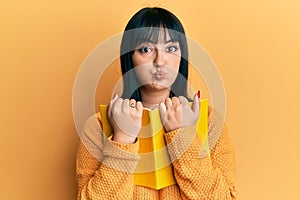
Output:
x=159 y=58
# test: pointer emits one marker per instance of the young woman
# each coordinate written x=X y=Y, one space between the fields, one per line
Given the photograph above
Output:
x=154 y=62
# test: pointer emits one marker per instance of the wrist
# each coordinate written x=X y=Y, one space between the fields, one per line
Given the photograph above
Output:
x=122 y=138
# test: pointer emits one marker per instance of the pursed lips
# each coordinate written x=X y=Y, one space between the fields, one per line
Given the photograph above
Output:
x=159 y=74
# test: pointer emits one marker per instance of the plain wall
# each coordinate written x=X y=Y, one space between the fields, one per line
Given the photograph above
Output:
x=255 y=45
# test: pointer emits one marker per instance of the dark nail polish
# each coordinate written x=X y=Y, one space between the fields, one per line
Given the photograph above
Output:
x=198 y=93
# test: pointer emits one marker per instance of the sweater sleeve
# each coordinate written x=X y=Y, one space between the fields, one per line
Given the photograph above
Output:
x=104 y=168
x=202 y=177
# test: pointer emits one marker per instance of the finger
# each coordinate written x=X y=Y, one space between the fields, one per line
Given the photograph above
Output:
x=184 y=102
x=132 y=104
x=196 y=106
x=139 y=106
x=111 y=103
x=168 y=103
x=125 y=105
x=175 y=102
x=162 y=112
x=117 y=105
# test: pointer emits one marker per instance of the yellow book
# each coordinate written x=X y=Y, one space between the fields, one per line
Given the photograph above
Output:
x=154 y=169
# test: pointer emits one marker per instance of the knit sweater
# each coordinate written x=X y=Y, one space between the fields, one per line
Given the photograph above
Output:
x=104 y=168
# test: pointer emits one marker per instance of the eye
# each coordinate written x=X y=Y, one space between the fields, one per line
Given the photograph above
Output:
x=172 y=48
x=145 y=49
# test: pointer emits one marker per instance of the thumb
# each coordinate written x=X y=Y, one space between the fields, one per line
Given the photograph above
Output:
x=196 y=106
x=162 y=112
x=111 y=103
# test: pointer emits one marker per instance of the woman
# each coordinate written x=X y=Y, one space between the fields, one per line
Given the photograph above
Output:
x=155 y=70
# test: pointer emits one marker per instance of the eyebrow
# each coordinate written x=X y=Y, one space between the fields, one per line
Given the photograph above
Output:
x=171 y=40
x=151 y=41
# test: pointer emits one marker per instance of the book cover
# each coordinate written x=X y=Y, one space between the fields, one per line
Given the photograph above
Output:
x=154 y=169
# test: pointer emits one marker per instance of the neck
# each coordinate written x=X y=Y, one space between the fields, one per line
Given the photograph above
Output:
x=151 y=99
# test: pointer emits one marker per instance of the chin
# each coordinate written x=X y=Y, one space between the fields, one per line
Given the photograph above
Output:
x=159 y=86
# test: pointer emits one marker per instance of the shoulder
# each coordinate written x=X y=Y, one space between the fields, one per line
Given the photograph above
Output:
x=215 y=118
x=94 y=119
x=91 y=135
x=217 y=128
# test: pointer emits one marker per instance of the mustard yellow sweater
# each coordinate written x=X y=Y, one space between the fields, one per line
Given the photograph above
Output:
x=197 y=177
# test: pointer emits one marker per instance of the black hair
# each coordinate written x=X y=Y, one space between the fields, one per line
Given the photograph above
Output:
x=145 y=25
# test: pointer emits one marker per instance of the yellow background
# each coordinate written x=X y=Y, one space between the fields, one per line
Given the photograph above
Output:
x=255 y=45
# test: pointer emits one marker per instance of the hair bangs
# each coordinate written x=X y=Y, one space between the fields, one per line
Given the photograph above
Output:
x=152 y=34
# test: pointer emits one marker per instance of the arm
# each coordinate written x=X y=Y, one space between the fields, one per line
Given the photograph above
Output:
x=104 y=171
x=202 y=177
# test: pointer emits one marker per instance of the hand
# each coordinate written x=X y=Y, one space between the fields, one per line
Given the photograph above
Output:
x=125 y=117
x=176 y=112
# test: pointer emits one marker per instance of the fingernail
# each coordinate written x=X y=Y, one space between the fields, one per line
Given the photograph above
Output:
x=115 y=95
x=198 y=93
